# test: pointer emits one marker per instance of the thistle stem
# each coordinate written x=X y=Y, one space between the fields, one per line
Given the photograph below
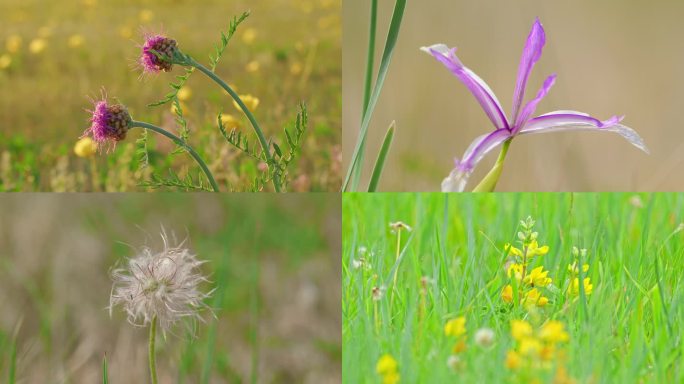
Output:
x=260 y=134
x=488 y=183
x=152 y=355
x=183 y=144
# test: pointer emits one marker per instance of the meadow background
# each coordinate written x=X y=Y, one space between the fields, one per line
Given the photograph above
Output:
x=56 y=55
x=628 y=330
x=612 y=57
x=274 y=263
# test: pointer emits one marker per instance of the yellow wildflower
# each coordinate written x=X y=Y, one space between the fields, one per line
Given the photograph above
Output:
x=455 y=327
x=512 y=250
x=459 y=347
x=125 y=31
x=249 y=35
x=386 y=364
x=387 y=368
x=5 y=61
x=507 y=293
x=85 y=147
x=534 y=297
x=253 y=66
x=574 y=286
x=520 y=329
x=184 y=93
x=530 y=346
x=13 y=43
x=533 y=249
x=230 y=122
x=146 y=16
x=515 y=270
x=538 y=277
x=250 y=101
x=574 y=268
x=553 y=332
x=76 y=41
x=296 y=68
x=37 y=46
x=512 y=360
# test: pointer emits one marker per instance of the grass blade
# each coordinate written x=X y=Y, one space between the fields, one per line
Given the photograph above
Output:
x=390 y=43
x=105 y=375
x=382 y=156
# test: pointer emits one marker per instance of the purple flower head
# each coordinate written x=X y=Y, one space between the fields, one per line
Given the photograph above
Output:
x=108 y=124
x=521 y=120
x=164 y=46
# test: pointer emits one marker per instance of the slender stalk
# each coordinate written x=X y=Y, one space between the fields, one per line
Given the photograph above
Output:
x=183 y=144
x=370 y=61
x=488 y=183
x=260 y=134
x=396 y=271
x=152 y=355
x=368 y=83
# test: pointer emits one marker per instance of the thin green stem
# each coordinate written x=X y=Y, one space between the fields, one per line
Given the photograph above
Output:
x=260 y=134
x=183 y=144
x=488 y=183
x=368 y=83
x=151 y=351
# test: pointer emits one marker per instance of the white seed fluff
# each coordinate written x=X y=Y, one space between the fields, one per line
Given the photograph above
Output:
x=164 y=285
x=484 y=337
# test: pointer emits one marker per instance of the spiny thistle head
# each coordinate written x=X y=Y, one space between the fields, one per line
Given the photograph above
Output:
x=164 y=47
x=109 y=123
x=164 y=285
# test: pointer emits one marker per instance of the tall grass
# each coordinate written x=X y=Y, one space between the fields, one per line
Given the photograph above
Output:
x=627 y=330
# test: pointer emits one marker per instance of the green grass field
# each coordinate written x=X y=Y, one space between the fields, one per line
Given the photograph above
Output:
x=626 y=328
x=55 y=56
x=277 y=313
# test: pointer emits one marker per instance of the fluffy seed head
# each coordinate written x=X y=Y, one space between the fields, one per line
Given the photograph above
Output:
x=484 y=337
x=164 y=46
x=165 y=285
x=108 y=123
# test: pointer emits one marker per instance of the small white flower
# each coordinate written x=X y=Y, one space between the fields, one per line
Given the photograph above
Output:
x=484 y=337
x=163 y=285
x=398 y=225
x=362 y=250
x=454 y=362
x=378 y=293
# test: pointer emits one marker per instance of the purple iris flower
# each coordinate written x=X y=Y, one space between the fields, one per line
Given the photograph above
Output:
x=521 y=120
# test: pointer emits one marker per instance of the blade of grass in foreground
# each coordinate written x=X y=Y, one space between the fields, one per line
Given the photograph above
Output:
x=13 y=354
x=382 y=156
x=390 y=43
x=105 y=375
x=370 y=65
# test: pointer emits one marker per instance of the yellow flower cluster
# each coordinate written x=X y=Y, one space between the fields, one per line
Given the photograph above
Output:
x=535 y=350
x=574 y=269
x=388 y=369
x=456 y=329
x=527 y=282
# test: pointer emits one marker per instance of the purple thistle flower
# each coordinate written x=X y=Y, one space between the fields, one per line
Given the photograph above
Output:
x=108 y=124
x=521 y=120
x=164 y=46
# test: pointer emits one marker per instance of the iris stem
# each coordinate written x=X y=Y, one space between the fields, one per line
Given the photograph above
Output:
x=488 y=183
x=183 y=144
x=152 y=355
x=260 y=134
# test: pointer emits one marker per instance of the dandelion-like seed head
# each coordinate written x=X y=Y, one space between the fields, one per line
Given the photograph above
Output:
x=163 y=46
x=484 y=337
x=109 y=123
x=163 y=285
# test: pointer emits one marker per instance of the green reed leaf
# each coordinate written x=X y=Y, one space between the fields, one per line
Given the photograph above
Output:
x=382 y=156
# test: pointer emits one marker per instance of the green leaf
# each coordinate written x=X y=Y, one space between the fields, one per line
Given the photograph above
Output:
x=382 y=156
x=277 y=150
x=390 y=43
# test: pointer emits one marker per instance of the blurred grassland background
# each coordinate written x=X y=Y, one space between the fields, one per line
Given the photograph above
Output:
x=55 y=55
x=274 y=263
x=627 y=331
x=611 y=57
